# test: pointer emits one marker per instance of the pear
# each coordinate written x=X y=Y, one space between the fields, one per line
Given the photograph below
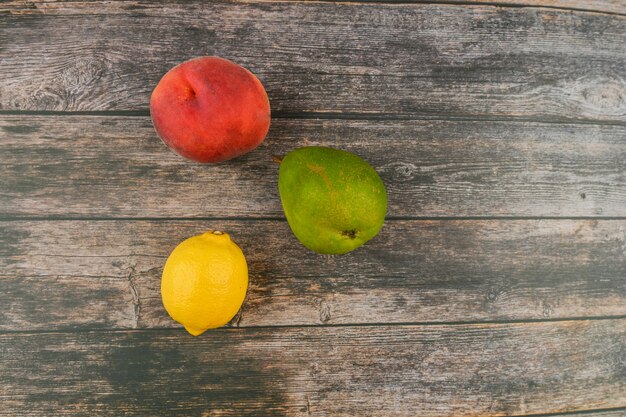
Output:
x=334 y=200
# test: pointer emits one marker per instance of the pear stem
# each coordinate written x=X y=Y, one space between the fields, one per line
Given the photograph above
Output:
x=277 y=159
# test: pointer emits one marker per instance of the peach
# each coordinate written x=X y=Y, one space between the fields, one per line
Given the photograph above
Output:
x=210 y=109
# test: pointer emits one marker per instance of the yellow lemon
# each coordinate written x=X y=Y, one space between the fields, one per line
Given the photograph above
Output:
x=204 y=281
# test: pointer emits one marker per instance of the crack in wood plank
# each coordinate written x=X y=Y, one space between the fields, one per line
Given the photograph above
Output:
x=136 y=301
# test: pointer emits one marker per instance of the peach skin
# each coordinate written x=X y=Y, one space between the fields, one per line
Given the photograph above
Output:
x=210 y=109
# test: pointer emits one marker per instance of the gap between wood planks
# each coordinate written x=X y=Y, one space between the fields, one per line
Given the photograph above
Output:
x=330 y=115
x=282 y=219
x=330 y=326
x=574 y=413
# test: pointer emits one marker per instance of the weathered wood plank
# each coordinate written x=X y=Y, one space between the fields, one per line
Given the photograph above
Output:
x=620 y=412
x=477 y=370
x=324 y=57
x=116 y=166
x=608 y=6
x=106 y=274
x=54 y=6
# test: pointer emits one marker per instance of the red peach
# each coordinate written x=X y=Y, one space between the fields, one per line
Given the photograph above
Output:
x=210 y=109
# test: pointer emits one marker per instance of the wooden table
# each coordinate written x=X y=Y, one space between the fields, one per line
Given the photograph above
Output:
x=497 y=286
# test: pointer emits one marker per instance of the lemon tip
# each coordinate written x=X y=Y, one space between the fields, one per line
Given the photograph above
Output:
x=194 y=332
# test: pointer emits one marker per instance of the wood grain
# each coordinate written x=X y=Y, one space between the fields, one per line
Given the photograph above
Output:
x=478 y=370
x=106 y=274
x=117 y=167
x=597 y=6
x=323 y=57
x=607 y=6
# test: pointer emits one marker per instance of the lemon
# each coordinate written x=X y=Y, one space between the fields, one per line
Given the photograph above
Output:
x=204 y=281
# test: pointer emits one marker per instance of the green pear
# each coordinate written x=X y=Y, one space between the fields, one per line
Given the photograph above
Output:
x=334 y=201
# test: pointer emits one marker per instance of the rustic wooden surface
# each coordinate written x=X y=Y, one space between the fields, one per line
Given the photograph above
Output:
x=414 y=271
x=324 y=57
x=403 y=370
x=72 y=166
x=496 y=288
